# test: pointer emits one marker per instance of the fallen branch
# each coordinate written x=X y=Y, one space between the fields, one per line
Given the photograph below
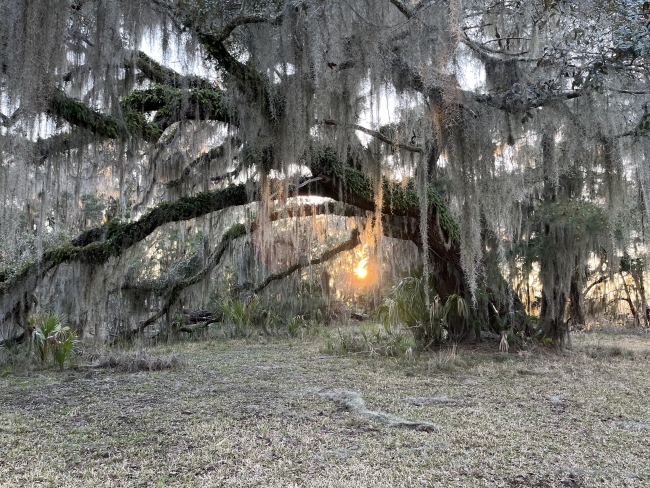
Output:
x=200 y=316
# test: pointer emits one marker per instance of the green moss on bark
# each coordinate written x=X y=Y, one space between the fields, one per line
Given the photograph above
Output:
x=97 y=246
x=169 y=104
x=237 y=230
x=78 y=114
x=398 y=199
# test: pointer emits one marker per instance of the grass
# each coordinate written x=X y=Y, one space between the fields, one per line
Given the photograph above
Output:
x=253 y=413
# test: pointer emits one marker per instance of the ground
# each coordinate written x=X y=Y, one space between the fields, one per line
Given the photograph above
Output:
x=258 y=412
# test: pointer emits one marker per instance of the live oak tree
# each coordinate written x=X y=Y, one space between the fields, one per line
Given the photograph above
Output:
x=493 y=135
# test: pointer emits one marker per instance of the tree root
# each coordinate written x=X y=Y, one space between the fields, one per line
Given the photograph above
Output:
x=352 y=402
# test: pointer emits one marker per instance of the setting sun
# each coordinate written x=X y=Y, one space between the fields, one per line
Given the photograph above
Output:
x=361 y=271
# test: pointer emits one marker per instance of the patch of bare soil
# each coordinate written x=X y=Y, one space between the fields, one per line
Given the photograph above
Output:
x=246 y=413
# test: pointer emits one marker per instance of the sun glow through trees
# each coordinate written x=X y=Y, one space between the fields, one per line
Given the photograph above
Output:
x=361 y=270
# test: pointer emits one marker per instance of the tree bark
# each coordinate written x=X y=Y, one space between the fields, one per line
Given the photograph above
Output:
x=576 y=301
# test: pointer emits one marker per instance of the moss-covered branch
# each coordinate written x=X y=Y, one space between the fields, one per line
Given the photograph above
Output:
x=398 y=199
x=173 y=104
x=185 y=208
x=170 y=103
x=163 y=75
x=98 y=245
x=78 y=114
x=250 y=82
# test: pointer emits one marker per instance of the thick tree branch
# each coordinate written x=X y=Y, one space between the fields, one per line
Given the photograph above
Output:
x=97 y=245
x=105 y=126
x=201 y=103
x=228 y=29
x=515 y=102
x=518 y=103
x=174 y=104
x=78 y=114
x=249 y=81
x=163 y=75
x=408 y=13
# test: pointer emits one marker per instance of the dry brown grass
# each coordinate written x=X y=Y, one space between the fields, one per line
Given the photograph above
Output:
x=247 y=413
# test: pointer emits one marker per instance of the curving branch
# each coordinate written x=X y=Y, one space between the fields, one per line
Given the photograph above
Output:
x=348 y=245
x=156 y=72
x=485 y=53
x=214 y=153
x=174 y=292
x=228 y=29
x=239 y=230
x=600 y=280
x=377 y=135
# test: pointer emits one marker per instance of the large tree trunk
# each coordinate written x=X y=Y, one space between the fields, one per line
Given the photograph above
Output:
x=552 y=318
x=576 y=309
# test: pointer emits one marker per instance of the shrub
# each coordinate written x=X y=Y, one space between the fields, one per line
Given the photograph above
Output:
x=240 y=314
x=14 y=354
x=406 y=306
x=52 y=336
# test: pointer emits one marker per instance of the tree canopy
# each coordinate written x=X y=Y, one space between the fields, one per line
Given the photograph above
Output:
x=500 y=137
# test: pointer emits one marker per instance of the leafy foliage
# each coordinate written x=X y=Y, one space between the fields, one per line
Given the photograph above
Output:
x=240 y=314
x=406 y=306
x=52 y=337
